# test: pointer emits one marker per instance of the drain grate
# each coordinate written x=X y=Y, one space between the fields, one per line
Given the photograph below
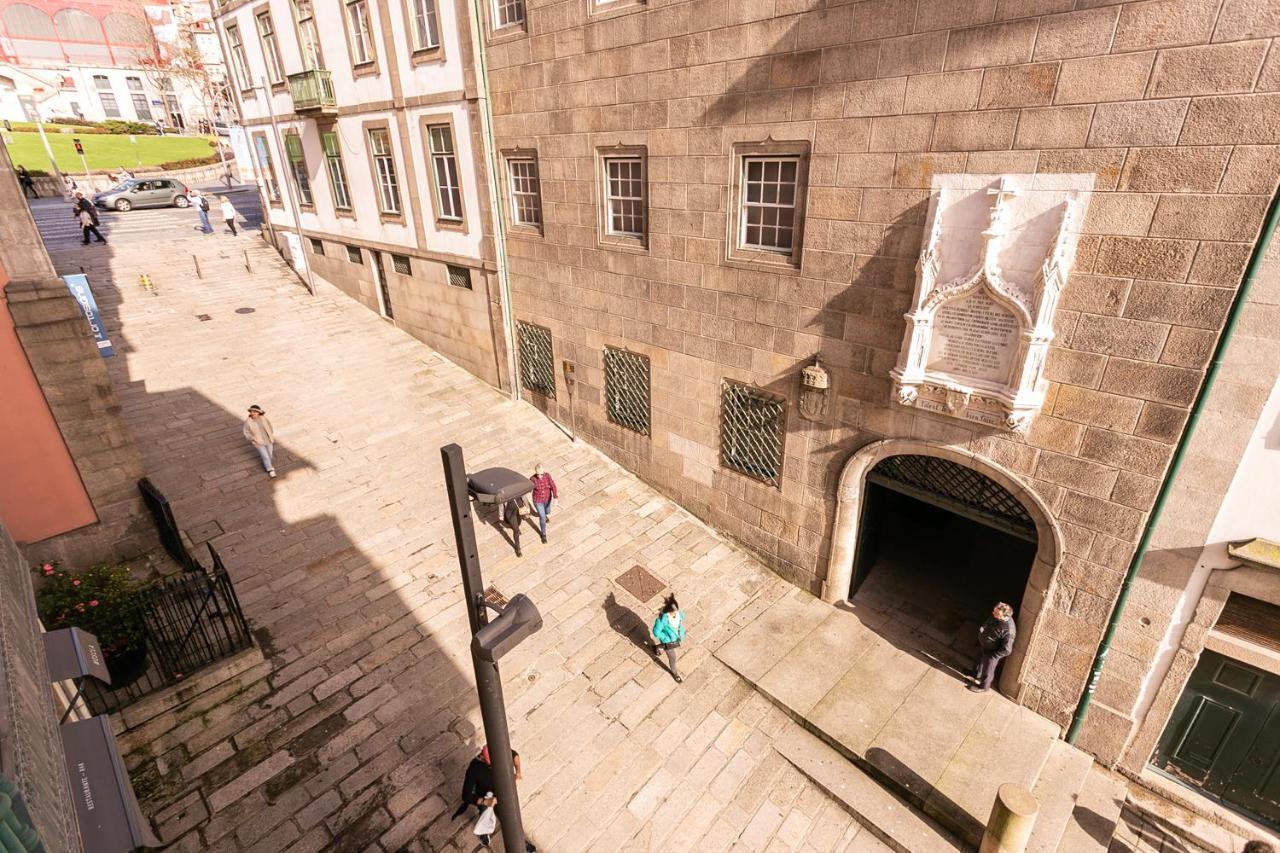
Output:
x=245 y=310
x=638 y=581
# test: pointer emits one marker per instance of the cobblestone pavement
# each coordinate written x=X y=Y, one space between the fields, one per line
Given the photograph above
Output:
x=353 y=732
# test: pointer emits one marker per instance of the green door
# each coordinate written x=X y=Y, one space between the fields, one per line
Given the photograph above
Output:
x=1224 y=736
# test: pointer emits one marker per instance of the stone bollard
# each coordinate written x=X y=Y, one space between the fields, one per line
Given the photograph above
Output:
x=1012 y=816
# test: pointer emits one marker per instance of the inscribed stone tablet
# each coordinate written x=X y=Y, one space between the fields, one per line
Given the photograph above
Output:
x=974 y=337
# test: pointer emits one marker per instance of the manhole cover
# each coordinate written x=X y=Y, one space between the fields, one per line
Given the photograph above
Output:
x=492 y=596
x=203 y=318
x=640 y=583
x=244 y=310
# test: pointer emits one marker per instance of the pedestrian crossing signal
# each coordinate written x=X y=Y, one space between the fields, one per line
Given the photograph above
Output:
x=79 y=147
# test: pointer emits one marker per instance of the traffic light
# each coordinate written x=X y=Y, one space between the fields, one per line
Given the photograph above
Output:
x=79 y=147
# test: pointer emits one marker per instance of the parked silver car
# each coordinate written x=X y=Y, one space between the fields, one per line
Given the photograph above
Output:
x=144 y=192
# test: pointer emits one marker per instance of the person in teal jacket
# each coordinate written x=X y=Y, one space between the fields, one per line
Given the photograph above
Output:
x=668 y=633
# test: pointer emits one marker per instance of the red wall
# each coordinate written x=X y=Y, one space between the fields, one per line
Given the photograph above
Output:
x=41 y=494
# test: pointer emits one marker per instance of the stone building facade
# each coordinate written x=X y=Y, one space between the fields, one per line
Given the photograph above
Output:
x=628 y=132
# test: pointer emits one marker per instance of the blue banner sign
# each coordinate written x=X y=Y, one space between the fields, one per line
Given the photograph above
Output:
x=78 y=284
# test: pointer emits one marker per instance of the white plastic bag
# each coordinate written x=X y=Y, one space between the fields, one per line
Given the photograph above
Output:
x=488 y=822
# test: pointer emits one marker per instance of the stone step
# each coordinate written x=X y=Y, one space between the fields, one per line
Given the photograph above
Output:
x=1057 y=789
x=1181 y=813
x=164 y=701
x=890 y=819
x=1095 y=814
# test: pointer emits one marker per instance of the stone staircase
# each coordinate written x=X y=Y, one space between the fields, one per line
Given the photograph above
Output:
x=901 y=743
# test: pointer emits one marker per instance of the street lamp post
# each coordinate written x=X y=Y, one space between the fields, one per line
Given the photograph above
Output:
x=489 y=642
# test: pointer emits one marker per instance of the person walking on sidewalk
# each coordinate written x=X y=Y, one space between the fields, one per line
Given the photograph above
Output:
x=995 y=642
x=89 y=225
x=477 y=789
x=258 y=430
x=544 y=492
x=25 y=181
x=228 y=214
x=201 y=204
x=668 y=633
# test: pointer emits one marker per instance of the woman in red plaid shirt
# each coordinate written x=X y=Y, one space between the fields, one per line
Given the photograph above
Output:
x=544 y=491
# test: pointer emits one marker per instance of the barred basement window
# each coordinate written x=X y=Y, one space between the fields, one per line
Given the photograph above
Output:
x=459 y=276
x=354 y=255
x=317 y=246
x=752 y=427
x=536 y=370
x=401 y=264
x=626 y=389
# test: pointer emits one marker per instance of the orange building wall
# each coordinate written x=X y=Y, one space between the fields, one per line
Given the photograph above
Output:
x=40 y=490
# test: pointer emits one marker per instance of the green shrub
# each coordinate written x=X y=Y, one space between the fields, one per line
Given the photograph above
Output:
x=105 y=601
x=116 y=125
x=190 y=163
x=73 y=121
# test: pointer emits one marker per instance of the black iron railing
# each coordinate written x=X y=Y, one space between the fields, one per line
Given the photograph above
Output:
x=166 y=525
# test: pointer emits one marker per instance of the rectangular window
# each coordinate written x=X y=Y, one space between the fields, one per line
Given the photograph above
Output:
x=270 y=49
x=426 y=29
x=141 y=108
x=239 y=62
x=267 y=168
x=354 y=255
x=752 y=426
x=626 y=389
x=317 y=246
x=534 y=346
x=444 y=170
x=308 y=38
x=508 y=12
x=360 y=30
x=459 y=277
x=401 y=264
x=767 y=219
x=624 y=192
x=526 y=193
x=109 y=105
x=134 y=84
x=101 y=82
x=384 y=170
x=298 y=168
x=337 y=173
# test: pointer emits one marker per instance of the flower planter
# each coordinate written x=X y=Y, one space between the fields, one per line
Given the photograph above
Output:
x=128 y=666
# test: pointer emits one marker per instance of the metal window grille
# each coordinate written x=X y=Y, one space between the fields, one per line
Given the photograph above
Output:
x=509 y=12
x=361 y=46
x=536 y=370
x=626 y=389
x=426 y=31
x=767 y=218
x=337 y=174
x=752 y=427
x=445 y=164
x=624 y=186
x=526 y=193
x=317 y=246
x=401 y=264
x=459 y=276
x=955 y=487
x=385 y=168
x=270 y=50
x=354 y=255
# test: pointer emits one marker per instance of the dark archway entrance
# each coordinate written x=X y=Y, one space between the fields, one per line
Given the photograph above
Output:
x=939 y=543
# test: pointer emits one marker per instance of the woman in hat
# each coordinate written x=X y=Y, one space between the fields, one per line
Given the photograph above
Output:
x=258 y=430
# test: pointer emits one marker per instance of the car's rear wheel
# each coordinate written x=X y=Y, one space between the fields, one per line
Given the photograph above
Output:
x=181 y=201
x=122 y=204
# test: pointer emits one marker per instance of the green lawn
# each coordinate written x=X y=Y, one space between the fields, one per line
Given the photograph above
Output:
x=104 y=151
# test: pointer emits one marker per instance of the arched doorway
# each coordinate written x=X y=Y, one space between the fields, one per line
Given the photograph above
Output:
x=927 y=538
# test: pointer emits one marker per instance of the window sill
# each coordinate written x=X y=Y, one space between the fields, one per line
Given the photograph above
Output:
x=344 y=213
x=597 y=11
x=526 y=231
x=365 y=69
x=635 y=245
x=279 y=88
x=391 y=218
x=452 y=225
x=427 y=55
x=753 y=260
x=510 y=32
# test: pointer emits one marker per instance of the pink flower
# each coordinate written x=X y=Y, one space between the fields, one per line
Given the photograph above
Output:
x=75 y=583
x=177 y=675
x=93 y=603
x=80 y=607
x=48 y=567
x=48 y=570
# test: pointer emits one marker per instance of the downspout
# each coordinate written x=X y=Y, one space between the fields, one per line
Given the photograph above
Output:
x=495 y=203
x=1269 y=226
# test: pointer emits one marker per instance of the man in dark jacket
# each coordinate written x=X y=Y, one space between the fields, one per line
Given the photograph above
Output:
x=477 y=788
x=80 y=203
x=995 y=641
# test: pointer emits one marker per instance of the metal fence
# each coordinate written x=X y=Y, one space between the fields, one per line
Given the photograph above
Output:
x=192 y=620
x=166 y=525
x=537 y=371
x=752 y=428
x=626 y=389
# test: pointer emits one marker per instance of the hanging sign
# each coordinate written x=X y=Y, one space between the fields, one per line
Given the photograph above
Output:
x=78 y=284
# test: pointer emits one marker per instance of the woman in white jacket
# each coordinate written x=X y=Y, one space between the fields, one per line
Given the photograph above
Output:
x=229 y=215
x=258 y=430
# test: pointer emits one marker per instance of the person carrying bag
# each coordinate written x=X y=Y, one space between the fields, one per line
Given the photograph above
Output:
x=668 y=633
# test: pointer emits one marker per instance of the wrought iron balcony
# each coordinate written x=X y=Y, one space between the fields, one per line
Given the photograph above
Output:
x=312 y=91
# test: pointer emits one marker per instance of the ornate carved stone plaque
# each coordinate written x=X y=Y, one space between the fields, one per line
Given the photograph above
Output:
x=997 y=252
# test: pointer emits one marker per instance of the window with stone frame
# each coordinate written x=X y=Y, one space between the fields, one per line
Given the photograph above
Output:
x=459 y=276
x=239 y=62
x=298 y=168
x=626 y=389
x=270 y=48
x=444 y=173
x=134 y=83
x=337 y=172
x=767 y=217
x=267 y=167
x=317 y=246
x=401 y=264
x=537 y=371
x=304 y=17
x=623 y=188
x=425 y=24
x=752 y=432
x=141 y=107
x=384 y=169
x=101 y=82
x=354 y=255
x=526 y=192
x=360 y=32
x=508 y=13
x=109 y=105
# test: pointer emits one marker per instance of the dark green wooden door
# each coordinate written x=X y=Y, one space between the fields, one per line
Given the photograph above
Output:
x=1224 y=736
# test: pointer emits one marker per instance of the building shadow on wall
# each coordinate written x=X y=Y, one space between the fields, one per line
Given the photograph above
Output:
x=359 y=701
